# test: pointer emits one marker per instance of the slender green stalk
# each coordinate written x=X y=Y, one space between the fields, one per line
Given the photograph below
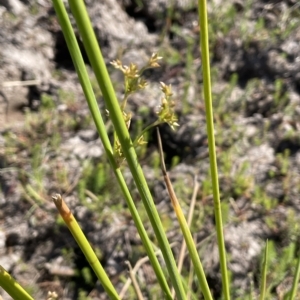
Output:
x=185 y=229
x=85 y=247
x=90 y=97
x=293 y=292
x=263 y=279
x=31 y=191
x=93 y=51
x=12 y=287
x=145 y=130
x=202 y=10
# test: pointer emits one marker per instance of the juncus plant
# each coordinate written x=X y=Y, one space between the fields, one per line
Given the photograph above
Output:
x=123 y=150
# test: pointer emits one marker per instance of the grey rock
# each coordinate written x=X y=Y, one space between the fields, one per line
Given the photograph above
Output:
x=260 y=159
x=82 y=149
x=14 y=6
x=88 y=135
x=115 y=28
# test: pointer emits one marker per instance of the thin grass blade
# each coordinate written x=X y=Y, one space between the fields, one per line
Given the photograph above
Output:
x=185 y=229
x=263 y=279
x=189 y=221
x=293 y=292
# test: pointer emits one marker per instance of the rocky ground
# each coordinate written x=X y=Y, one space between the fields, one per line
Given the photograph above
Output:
x=48 y=143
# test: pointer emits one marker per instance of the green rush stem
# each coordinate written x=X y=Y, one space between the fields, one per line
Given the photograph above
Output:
x=12 y=287
x=92 y=102
x=96 y=59
x=85 y=246
x=211 y=143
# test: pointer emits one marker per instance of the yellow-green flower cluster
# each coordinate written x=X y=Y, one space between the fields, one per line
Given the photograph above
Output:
x=166 y=113
x=134 y=82
x=132 y=77
x=153 y=61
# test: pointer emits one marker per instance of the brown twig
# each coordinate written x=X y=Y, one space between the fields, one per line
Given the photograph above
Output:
x=134 y=282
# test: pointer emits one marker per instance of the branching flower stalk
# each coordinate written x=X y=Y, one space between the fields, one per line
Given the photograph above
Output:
x=165 y=113
x=134 y=82
x=96 y=59
x=116 y=115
